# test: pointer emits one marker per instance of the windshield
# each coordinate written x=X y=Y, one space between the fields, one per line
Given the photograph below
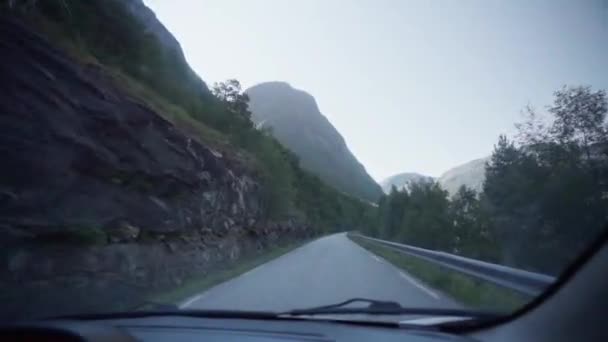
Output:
x=273 y=156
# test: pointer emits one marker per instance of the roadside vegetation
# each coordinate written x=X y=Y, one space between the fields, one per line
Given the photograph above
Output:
x=545 y=195
x=463 y=289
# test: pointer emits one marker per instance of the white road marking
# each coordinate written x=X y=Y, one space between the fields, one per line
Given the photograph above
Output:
x=201 y=295
x=190 y=301
x=418 y=285
x=250 y=271
x=403 y=275
x=376 y=258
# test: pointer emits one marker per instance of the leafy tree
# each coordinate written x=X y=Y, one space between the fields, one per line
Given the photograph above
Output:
x=579 y=116
x=416 y=216
x=543 y=198
x=428 y=218
x=554 y=181
x=277 y=178
x=472 y=227
x=233 y=97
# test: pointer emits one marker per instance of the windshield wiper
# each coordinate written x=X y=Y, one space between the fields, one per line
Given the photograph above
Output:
x=373 y=304
x=374 y=307
x=256 y=315
x=379 y=307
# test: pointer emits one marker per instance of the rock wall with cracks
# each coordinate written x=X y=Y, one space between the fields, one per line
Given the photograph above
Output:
x=101 y=199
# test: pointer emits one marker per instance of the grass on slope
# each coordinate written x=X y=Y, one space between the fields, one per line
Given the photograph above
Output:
x=76 y=48
x=173 y=113
x=199 y=284
x=465 y=290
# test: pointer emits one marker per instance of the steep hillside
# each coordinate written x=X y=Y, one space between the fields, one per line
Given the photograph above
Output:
x=153 y=26
x=94 y=179
x=122 y=173
x=471 y=174
x=402 y=181
x=295 y=120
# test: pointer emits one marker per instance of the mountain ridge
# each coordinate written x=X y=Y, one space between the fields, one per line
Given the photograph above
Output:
x=471 y=174
x=297 y=122
x=403 y=180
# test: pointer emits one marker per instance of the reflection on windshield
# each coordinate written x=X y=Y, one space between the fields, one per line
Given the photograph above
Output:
x=435 y=167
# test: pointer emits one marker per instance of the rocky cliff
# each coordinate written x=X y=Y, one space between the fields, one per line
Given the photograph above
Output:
x=296 y=121
x=130 y=203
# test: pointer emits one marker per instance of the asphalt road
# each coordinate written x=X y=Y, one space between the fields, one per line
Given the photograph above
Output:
x=325 y=271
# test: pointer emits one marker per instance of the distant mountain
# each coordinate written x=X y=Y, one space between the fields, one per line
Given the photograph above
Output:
x=471 y=174
x=403 y=181
x=297 y=123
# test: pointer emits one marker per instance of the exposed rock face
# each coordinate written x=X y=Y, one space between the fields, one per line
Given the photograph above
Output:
x=78 y=152
x=102 y=200
x=38 y=280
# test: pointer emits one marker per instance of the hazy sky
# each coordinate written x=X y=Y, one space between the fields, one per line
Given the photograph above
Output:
x=412 y=85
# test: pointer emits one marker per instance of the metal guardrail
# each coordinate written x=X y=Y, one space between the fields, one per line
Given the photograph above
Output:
x=525 y=282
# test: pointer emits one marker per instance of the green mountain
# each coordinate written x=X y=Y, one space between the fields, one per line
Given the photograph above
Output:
x=296 y=121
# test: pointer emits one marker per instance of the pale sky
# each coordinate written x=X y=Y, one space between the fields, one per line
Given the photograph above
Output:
x=417 y=86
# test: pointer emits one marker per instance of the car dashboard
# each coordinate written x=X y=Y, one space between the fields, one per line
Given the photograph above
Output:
x=178 y=329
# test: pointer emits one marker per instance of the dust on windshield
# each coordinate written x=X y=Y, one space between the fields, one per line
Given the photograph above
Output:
x=272 y=156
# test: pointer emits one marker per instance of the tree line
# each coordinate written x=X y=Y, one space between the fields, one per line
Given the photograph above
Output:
x=545 y=195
